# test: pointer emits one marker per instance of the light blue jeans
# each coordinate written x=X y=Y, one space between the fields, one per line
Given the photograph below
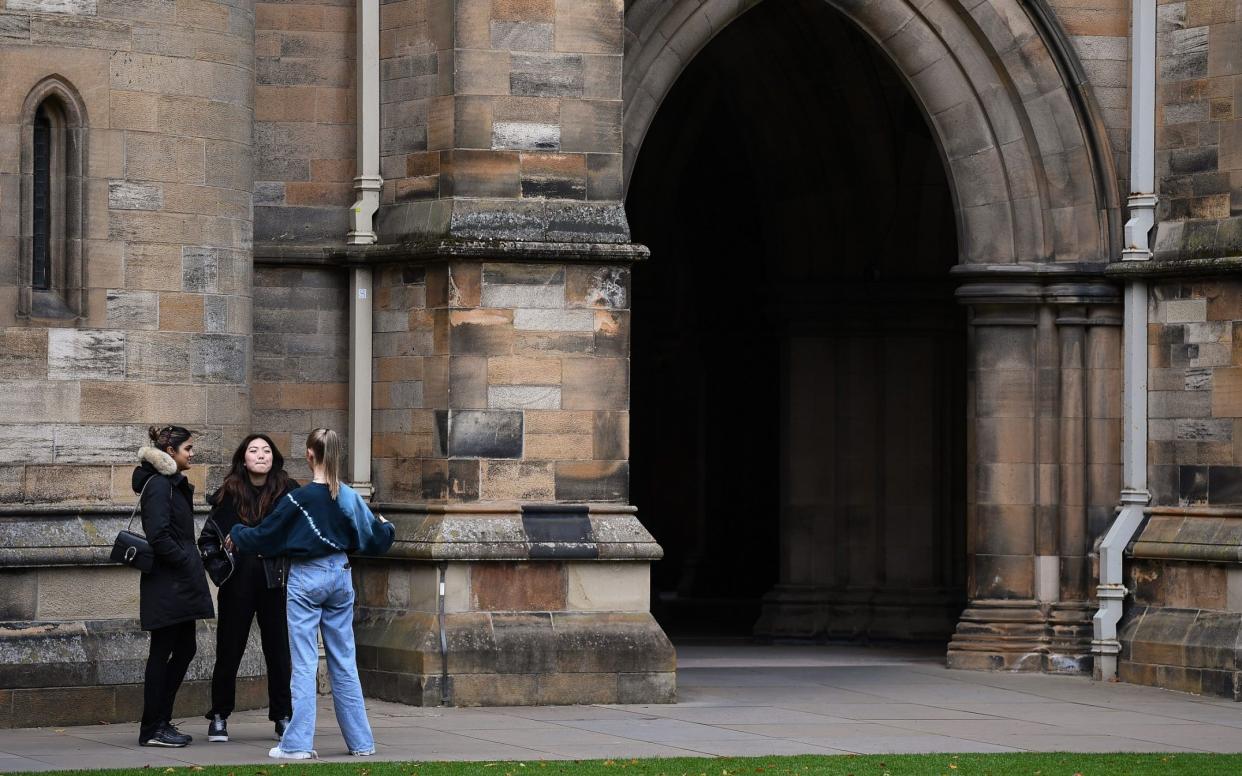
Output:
x=321 y=597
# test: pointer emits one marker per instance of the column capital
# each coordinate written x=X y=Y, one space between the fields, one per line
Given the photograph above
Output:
x=1035 y=283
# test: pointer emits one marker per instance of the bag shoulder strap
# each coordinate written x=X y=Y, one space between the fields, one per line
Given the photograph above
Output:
x=137 y=504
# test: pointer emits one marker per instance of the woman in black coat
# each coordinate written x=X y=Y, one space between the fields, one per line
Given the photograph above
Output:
x=174 y=594
x=250 y=586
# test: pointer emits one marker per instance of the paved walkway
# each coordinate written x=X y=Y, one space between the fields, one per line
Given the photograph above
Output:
x=734 y=701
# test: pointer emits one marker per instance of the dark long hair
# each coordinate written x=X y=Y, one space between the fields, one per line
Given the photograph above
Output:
x=252 y=506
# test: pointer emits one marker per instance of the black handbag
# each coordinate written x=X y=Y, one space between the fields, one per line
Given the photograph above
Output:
x=131 y=548
x=217 y=561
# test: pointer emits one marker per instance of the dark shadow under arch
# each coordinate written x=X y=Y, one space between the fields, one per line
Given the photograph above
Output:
x=798 y=358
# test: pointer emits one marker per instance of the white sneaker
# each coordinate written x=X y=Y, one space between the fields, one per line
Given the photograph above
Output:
x=363 y=752
x=281 y=754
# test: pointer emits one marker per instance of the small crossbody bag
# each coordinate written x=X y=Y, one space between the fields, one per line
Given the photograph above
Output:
x=131 y=548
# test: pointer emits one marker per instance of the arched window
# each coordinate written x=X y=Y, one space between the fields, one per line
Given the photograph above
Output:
x=53 y=169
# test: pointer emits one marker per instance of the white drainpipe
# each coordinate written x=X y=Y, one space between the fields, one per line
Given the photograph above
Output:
x=1142 y=205
x=362 y=232
x=368 y=182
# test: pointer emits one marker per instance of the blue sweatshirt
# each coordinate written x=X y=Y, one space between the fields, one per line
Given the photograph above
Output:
x=308 y=523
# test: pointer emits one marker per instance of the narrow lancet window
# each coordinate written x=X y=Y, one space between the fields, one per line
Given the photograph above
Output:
x=42 y=205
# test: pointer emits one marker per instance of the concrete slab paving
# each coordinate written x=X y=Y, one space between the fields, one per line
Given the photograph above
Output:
x=736 y=700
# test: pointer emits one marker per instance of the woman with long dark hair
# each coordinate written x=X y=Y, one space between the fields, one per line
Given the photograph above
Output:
x=250 y=586
x=173 y=594
x=318 y=525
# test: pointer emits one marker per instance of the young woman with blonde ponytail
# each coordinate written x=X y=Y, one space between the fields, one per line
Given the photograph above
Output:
x=317 y=525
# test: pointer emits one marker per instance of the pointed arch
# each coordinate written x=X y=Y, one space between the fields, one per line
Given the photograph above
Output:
x=1018 y=131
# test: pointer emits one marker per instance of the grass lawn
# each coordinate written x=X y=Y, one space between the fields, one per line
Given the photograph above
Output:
x=1034 y=764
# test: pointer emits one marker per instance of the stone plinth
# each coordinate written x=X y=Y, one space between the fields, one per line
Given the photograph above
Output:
x=1183 y=625
x=72 y=651
x=540 y=605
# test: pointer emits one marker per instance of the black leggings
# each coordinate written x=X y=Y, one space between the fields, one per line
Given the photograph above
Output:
x=172 y=649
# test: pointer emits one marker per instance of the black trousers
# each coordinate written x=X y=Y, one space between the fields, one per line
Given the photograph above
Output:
x=172 y=649
x=243 y=598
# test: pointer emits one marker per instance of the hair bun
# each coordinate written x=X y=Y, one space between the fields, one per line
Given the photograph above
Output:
x=154 y=434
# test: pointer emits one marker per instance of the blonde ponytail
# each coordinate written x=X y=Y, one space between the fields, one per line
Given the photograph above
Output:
x=325 y=445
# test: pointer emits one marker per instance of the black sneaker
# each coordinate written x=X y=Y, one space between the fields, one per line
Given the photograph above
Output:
x=281 y=724
x=167 y=737
x=189 y=739
x=218 y=730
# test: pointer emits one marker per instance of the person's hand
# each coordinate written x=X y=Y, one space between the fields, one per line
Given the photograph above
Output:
x=381 y=518
x=228 y=543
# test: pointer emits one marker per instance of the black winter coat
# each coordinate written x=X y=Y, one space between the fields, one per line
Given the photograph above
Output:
x=175 y=590
x=220 y=563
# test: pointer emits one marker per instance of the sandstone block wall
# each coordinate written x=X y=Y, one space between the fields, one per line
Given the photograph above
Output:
x=301 y=357
x=1198 y=130
x=501 y=382
x=502 y=105
x=1195 y=393
x=165 y=95
x=1099 y=31
x=305 y=120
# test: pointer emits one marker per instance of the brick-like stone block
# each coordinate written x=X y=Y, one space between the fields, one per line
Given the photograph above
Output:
x=23 y=354
x=608 y=587
x=537 y=397
x=518 y=587
x=557 y=447
x=481 y=331
x=602 y=286
x=50 y=484
x=553 y=320
x=484 y=434
x=132 y=309
x=91 y=354
x=546 y=75
x=592 y=480
x=220 y=358
x=517 y=481
x=595 y=384
x=611 y=436
x=124 y=195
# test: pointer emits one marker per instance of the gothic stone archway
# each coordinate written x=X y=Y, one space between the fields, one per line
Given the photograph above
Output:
x=1036 y=214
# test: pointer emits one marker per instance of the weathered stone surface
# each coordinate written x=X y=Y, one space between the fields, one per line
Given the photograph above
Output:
x=76 y=7
x=133 y=309
x=535 y=397
x=518 y=587
x=485 y=434
x=23 y=353
x=517 y=481
x=553 y=320
x=123 y=195
x=592 y=480
x=525 y=135
x=608 y=587
x=75 y=354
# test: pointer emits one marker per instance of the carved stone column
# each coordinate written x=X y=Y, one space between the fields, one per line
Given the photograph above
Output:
x=1044 y=394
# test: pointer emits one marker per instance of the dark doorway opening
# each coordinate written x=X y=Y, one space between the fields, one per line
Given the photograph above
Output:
x=798 y=361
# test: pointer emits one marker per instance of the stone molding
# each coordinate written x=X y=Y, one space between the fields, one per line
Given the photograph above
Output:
x=32 y=535
x=1203 y=535
x=495 y=532
x=1175 y=268
x=447 y=250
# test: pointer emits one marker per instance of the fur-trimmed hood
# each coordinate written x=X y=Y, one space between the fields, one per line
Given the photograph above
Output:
x=154 y=461
x=161 y=461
